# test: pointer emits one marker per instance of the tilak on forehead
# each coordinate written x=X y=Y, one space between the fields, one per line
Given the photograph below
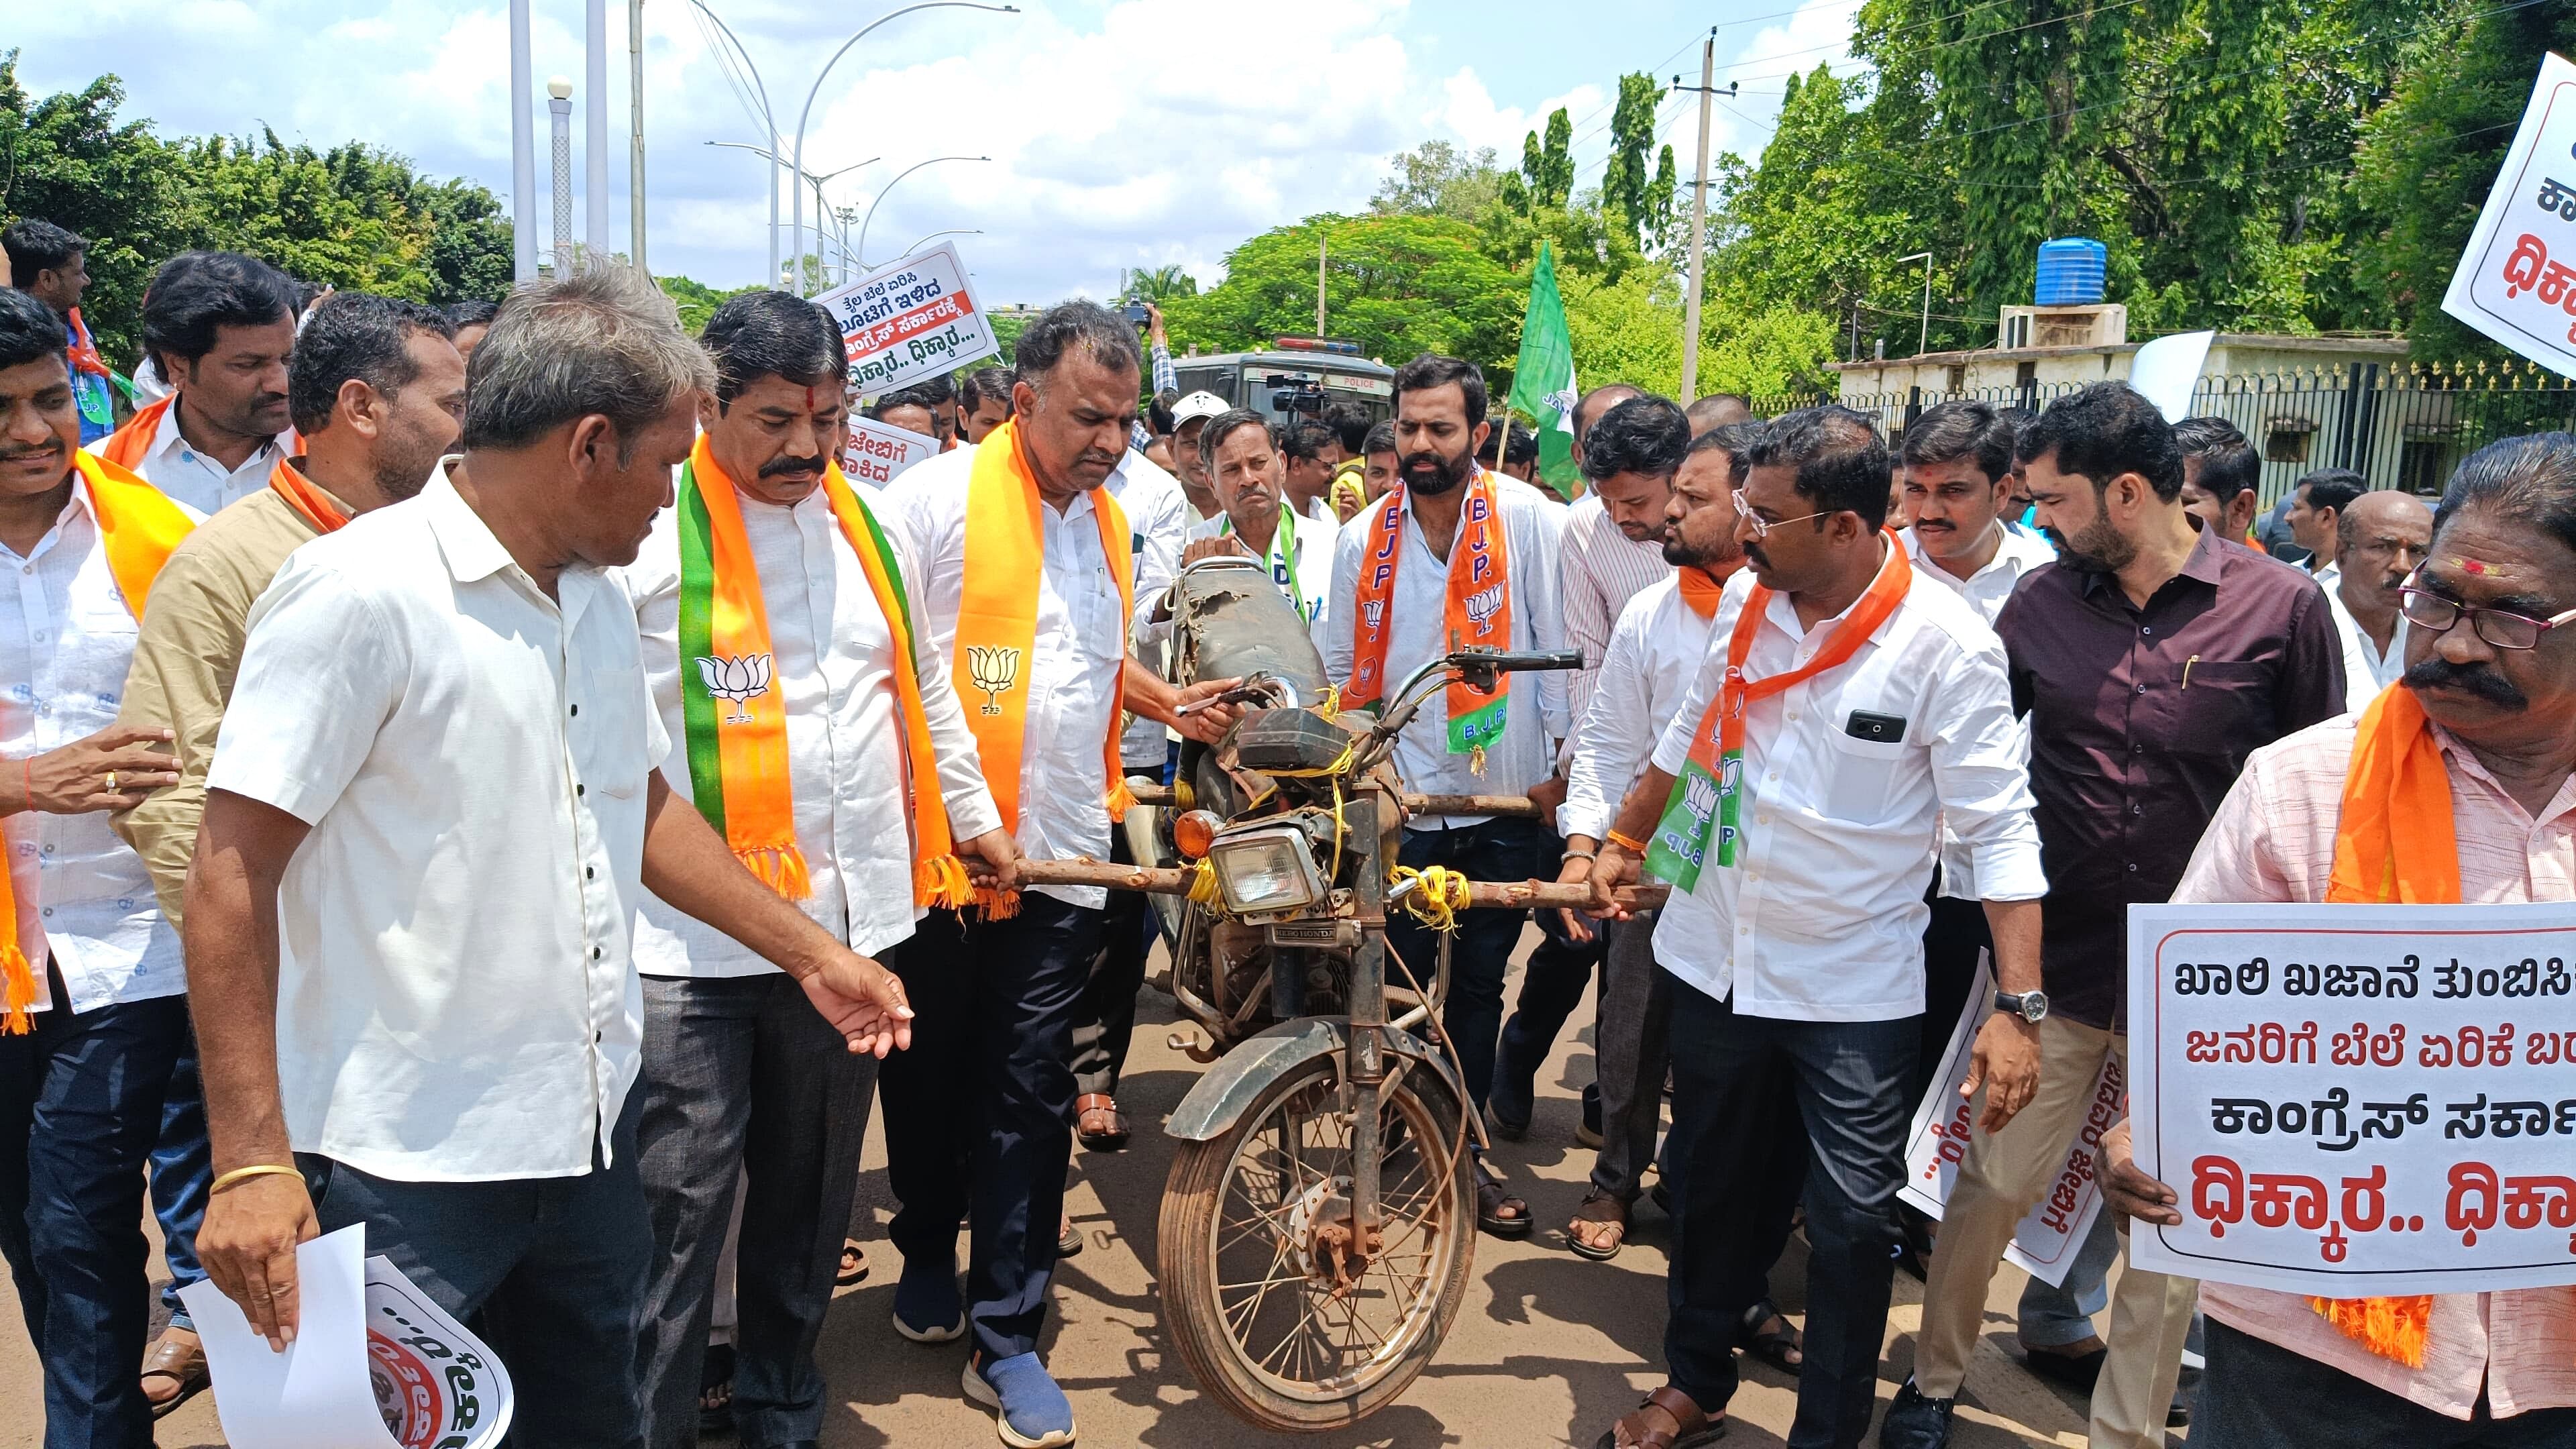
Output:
x=2472 y=567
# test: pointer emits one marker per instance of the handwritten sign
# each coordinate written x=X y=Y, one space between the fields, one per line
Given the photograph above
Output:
x=2052 y=1233
x=2517 y=281
x=905 y=322
x=874 y=452
x=2358 y=1100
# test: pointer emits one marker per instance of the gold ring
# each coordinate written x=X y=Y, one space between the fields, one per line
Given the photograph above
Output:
x=111 y=782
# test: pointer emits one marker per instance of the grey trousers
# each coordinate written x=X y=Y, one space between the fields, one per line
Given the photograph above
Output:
x=1631 y=1050
x=743 y=1082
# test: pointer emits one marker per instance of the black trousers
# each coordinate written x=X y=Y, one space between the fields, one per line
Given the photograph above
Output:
x=1106 y=1022
x=1473 y=1014
x=1552 y=986
x=976 y=1112
x=2258 y=1395
x=741 y=1078
x=1734 y=1167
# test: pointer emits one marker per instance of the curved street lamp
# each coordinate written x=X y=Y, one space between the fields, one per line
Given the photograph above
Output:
x=768 y=122
x=936 y=235
x=891 y=185
x=822 y=207
x=796 y=224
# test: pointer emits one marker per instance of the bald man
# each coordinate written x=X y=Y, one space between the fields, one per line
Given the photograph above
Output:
x=1716 y=411
x=2380 y=538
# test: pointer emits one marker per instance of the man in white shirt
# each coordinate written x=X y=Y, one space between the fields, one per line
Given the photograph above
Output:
x=740 y=1077
x=1415 y=577
x=2315 y=517
x=433 y=810
x=1159 y=519
x=1245 y=464
x=976 y=1113
x=1860 y=706
x=93 y=1011
x=1189 y=465
x=2380 y=539
x=221 y=325
x=1611 y=548
x=1645 y=669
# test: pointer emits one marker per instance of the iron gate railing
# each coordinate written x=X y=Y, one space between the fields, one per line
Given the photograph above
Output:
x=2401 y=426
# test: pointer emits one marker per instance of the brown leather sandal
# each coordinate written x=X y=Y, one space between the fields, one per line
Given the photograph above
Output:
x=1098 y=1122
x=181 y=1359
x=1666 y=1420
x=1586 y=1234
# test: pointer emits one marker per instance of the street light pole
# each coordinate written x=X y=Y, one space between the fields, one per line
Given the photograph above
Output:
x=1708 y=92
x=821 y=205
x=796 y=223
x=768 y=121
x=1922 y=334
x=523 y=151
x=936 y=235
x=594 y=139
x=559 y=102
x=891 y=185
x=635 y=132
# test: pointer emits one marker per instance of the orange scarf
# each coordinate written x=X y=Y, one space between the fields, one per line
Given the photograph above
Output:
x=2395 y=843
x=1477 y=613
x=310 y=503
x=137 y=528
x=737 y=750
x=126 y=446
x=1707 y=800
x=1702 y=588
x=997 y=620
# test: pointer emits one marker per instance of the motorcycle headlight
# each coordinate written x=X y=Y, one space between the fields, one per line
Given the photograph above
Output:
x=1266 y=871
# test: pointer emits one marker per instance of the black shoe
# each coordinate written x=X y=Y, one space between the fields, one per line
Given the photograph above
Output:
x=1915 y=1422
x=1589 y=1133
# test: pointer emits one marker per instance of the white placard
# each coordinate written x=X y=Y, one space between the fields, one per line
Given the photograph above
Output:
x=908 y=321
x=874 y=453
x=2167 y=371
x=2357 y=1100
x=2516 y=282
x=374 y=1365
x=2052 y=1233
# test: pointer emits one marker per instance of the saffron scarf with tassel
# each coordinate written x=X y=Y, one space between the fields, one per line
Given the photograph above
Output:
x=137 y=528
x=734 y=715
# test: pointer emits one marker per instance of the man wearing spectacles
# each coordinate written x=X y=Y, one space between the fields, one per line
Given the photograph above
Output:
x=2148 y=661
x=2484 y=731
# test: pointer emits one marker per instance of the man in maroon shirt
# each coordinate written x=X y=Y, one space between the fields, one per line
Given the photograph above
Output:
x=2149 y=660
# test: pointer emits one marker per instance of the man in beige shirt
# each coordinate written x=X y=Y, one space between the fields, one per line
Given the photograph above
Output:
x=2494 y=671
x=375 y=386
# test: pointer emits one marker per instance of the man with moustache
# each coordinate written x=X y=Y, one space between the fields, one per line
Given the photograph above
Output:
x=777 y=645
x=2451 y=790
x=1861 y=708
x=1189 y=417
x=2148 y=661
x=1024 y=556
x=433 y=808
x=93 y=1011
x=1452 y=559
x=983 y=403
x=1247 y=469
x=2221 y=474
x=2380 y=539
x=1611 y=549
x=52 y=265
x=220 y=325
x=1645 y=670
x=376 y=388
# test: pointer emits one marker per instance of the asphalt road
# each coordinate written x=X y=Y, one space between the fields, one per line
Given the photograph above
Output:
x=1546 y=1352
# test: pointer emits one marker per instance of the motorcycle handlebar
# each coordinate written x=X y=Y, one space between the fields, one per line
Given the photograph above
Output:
x=1529 y=660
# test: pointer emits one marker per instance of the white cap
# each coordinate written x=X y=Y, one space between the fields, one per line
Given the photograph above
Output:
x=1198 y=407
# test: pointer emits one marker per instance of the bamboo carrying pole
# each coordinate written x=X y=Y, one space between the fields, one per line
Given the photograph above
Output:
x=1504 y=895
x=1514 y=806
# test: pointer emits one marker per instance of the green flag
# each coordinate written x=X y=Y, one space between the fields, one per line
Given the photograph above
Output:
x=1543 y=379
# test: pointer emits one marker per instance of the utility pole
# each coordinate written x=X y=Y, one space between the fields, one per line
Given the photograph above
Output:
x=1320 y=334
x=559 y=102
x=1923 y=334
x=635 y=131
x=1699 y=212
x=523 y=152
x=594 y=138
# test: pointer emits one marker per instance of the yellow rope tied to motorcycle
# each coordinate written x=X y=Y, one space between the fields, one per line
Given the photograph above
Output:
x=1203 y=884
x=1438 y=898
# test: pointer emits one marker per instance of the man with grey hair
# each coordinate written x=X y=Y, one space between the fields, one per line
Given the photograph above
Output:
x=1024 y=555
x=433 y=809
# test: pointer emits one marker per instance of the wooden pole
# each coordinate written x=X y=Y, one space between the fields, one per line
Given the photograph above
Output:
x=1481 y=895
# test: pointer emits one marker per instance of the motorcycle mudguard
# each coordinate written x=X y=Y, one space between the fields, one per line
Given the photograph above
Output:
x=1240 y=1076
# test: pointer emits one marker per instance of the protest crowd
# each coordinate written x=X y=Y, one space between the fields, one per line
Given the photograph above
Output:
x=488 y=775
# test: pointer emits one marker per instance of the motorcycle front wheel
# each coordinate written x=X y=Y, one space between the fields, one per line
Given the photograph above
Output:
x=1270 y=1319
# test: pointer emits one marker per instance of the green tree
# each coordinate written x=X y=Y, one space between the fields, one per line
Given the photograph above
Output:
x=1438 y=179
x=66 y=159
x=1397 y=285
x=1159 y=286
x=1643 y=200
x=1546 y=176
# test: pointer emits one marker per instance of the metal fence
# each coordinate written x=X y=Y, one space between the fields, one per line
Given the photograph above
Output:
x=2401 y=426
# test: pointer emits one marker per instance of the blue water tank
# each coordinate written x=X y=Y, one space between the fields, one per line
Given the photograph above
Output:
x=2070 y=271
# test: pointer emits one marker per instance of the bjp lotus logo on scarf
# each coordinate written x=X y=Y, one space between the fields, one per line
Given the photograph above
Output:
x=994 y=670
x=1483 y=605
x=1699 y=796
x=740 y=679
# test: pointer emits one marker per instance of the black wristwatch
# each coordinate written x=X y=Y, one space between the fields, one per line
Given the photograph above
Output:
x=2030 y=1006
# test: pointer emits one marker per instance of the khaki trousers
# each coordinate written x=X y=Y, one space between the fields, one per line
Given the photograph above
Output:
x=2004 y=1175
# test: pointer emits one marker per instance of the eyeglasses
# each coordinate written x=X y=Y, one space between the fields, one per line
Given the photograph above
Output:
x=1762 y=527
x=2500 y=627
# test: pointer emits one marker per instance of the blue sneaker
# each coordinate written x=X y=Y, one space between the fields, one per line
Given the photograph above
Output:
x=1029 y=1410
x=927 y=1305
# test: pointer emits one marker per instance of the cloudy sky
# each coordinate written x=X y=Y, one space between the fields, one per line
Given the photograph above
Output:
x=1121 y=132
